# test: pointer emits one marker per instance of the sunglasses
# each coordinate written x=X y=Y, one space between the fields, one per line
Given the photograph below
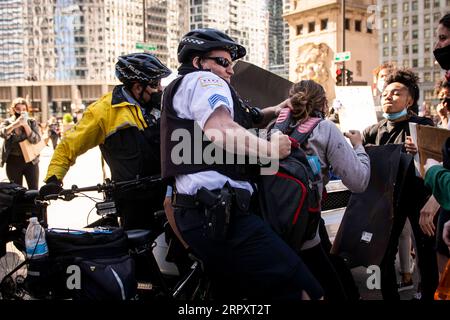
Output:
x=223 y=62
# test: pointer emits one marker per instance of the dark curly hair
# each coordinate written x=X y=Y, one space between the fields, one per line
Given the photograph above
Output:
x=409 y=79
x=308 y=99
x=445 y=21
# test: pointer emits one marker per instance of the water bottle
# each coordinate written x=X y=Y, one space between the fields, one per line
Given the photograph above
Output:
x=36 y=246
x=37 y=252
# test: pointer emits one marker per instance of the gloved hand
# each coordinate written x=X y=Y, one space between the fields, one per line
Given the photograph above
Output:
x=51 y=186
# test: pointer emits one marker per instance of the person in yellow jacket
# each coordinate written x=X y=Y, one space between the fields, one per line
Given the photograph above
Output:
x=125 y=124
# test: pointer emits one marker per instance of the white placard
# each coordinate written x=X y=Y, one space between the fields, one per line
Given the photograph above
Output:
x=413 y=133
x=357 y=110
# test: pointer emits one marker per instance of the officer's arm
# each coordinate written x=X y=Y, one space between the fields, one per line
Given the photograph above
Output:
x=270 y=113
x=224 y=132
x=86 y=134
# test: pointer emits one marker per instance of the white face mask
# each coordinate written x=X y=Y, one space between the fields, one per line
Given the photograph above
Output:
x=380 y=85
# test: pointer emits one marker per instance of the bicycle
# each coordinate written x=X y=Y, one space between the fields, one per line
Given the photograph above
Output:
x=145 y=247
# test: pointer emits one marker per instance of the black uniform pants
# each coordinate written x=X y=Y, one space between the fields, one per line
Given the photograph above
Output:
x=252 y=262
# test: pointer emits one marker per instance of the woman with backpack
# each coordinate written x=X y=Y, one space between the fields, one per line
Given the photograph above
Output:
x=328 y=148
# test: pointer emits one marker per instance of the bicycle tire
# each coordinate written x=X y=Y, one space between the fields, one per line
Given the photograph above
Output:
x=13 y=271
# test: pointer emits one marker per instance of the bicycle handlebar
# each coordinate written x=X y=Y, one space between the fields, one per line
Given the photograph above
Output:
x=108 y=185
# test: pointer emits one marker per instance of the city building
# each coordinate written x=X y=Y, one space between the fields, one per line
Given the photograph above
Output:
x=177 y=26
x=276 y=37
x=60 y=54
x=246 y=21
x=407 y=38
x=316 y=30
x=155 y=34
x=286 y=8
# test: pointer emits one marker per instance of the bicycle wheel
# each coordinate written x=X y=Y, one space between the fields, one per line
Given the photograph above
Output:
x=13 y=271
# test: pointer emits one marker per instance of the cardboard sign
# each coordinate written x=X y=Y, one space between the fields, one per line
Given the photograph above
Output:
x=258 y=87
x=429 y=142
x=356 y=108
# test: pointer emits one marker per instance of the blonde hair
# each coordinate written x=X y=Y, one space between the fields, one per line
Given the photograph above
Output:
x=15 y=102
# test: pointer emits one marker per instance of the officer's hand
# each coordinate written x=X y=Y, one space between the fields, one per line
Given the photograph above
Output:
x=280 y=145
x=284 y=104
x=52 y=186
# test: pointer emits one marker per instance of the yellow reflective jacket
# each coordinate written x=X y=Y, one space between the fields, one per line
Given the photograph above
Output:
x=116 y=126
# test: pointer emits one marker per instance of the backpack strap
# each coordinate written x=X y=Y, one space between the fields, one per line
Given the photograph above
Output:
x=283 y=120
x=301 y=132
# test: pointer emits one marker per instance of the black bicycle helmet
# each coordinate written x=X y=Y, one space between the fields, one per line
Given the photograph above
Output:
x=204 y=40
x=140 y=67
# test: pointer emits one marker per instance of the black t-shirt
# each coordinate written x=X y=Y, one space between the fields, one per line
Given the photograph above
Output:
x=385 y=131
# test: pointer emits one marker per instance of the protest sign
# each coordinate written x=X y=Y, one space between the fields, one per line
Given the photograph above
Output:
x=258 y=87
x=429 y=143
x=356 y=108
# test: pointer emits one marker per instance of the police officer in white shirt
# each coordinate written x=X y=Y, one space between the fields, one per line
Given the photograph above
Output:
x=213 y=191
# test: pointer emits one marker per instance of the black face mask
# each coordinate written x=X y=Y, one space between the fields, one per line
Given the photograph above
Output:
x=442 y=56
x=155 y=100
x=17 y=114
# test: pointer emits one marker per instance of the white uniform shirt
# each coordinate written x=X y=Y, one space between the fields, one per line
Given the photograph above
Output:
x=199 y=94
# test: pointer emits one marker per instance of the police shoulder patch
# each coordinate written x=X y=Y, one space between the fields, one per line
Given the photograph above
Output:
x=207 y=81
x=216 y=98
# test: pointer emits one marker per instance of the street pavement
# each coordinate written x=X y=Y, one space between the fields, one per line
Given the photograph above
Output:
x=87 y=171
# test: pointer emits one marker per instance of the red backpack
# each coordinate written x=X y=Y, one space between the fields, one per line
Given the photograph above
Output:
x=289 y=199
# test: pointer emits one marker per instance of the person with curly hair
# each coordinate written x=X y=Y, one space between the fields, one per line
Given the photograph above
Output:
x=400 y=93
x=350 y=162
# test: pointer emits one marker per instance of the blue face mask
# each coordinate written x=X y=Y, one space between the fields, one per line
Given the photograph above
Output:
x=395 y=116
